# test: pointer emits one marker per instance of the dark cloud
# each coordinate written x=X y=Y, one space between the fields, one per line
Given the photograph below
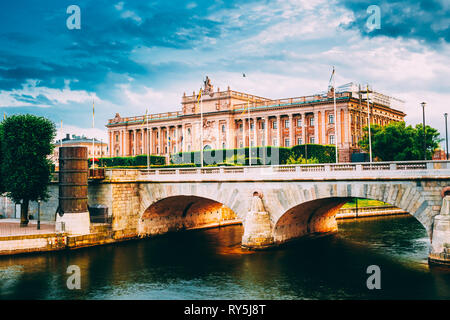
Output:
x=45 y=50
x=39 y=100
x=427 y=20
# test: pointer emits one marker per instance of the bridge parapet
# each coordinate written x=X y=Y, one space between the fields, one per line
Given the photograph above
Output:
x=341 y=171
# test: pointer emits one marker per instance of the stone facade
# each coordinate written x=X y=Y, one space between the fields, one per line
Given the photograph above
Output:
x=233 y=119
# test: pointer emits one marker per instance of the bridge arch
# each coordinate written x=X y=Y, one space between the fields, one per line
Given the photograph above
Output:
x=312 y=208
x=190 y=205
x=177 y=213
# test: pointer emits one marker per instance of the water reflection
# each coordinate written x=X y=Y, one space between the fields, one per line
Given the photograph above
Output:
x=209 y=264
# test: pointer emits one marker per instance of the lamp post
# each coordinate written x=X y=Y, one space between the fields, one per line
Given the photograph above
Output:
x=446 y=136
x=424 y=137
x=39 y=215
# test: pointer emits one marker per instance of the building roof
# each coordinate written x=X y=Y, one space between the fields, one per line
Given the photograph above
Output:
x=78 y=139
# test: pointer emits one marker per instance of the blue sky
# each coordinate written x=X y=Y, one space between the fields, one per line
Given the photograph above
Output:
x=130 y=55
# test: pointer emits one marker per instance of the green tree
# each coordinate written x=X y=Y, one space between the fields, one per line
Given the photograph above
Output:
x=25 y=167
x=398 y=142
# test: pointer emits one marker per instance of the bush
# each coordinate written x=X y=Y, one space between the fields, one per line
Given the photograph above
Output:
x=323 y=153
x=140 y=160
x=264 y=155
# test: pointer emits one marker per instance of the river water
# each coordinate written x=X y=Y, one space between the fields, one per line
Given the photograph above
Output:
x=209 y=264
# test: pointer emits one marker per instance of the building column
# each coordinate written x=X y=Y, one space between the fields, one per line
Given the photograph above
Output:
x=183 y=138
x=227 y=134
x=266 y=130
x=159 y=141
x=316 y=127
x=278 y=130
x=127 y=143
x=303 y=115
x=291 y=130
x=121 y=143
x=324 y=128
x=134 y=142
x=168 y=140
x=218 y=135
x=255 y=129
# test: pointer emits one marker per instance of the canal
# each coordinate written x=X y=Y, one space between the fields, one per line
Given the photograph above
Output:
x=209 y=264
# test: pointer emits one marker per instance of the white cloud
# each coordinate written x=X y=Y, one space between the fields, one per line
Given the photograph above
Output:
x=56 y=96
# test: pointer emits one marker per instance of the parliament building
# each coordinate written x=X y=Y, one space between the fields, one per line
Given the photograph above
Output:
x=233 y=119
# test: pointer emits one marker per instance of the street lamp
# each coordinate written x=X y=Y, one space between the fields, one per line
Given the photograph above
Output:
x=39 y=215
x=424 y=137
x=446 y=136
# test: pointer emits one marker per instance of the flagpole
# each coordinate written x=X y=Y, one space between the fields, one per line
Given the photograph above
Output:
x=201 y=128
x=249 y=133
x=335 y=117
x=368 y=119
x=62 y=135
x=148 y=142
x=93 y=125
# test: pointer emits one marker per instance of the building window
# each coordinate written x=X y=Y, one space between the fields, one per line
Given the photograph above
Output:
x=240 y=127
x=251 y=126
x=299 y=123
x=331 y=118
x=223 y=128
x=189 y=148
x=274 y=125
x=311 y=121
x=117 y=138
x=331 y=138
x=157 y=135
x=240 y=144
x=224 y=146
x=286 y=143
x=299 y=141
x=252 y=143
x=174 y=149
x=312 y=140
x=263 y=125
x=189 y=131
x=286 y=124
x=275 y=142
x=165 y=149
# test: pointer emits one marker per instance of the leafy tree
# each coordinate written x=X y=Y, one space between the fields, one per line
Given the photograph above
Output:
x=398 y=142
x=25 y=168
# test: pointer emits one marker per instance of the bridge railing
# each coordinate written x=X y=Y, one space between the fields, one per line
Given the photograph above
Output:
x=332 y=170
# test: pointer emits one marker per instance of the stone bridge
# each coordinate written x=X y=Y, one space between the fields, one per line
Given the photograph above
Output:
x=274 y=204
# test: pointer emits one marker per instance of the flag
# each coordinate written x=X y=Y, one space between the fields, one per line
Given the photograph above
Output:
x=146 y=112
x=331 y=82
x=4 y=115
x=198 y=98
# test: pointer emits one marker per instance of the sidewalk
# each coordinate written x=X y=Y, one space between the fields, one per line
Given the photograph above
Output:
x=11 y=227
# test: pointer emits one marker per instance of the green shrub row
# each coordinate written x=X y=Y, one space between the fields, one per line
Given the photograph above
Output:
x=267 y=155
x=140 y=160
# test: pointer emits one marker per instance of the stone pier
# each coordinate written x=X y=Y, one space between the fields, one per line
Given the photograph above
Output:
x=440 y=243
